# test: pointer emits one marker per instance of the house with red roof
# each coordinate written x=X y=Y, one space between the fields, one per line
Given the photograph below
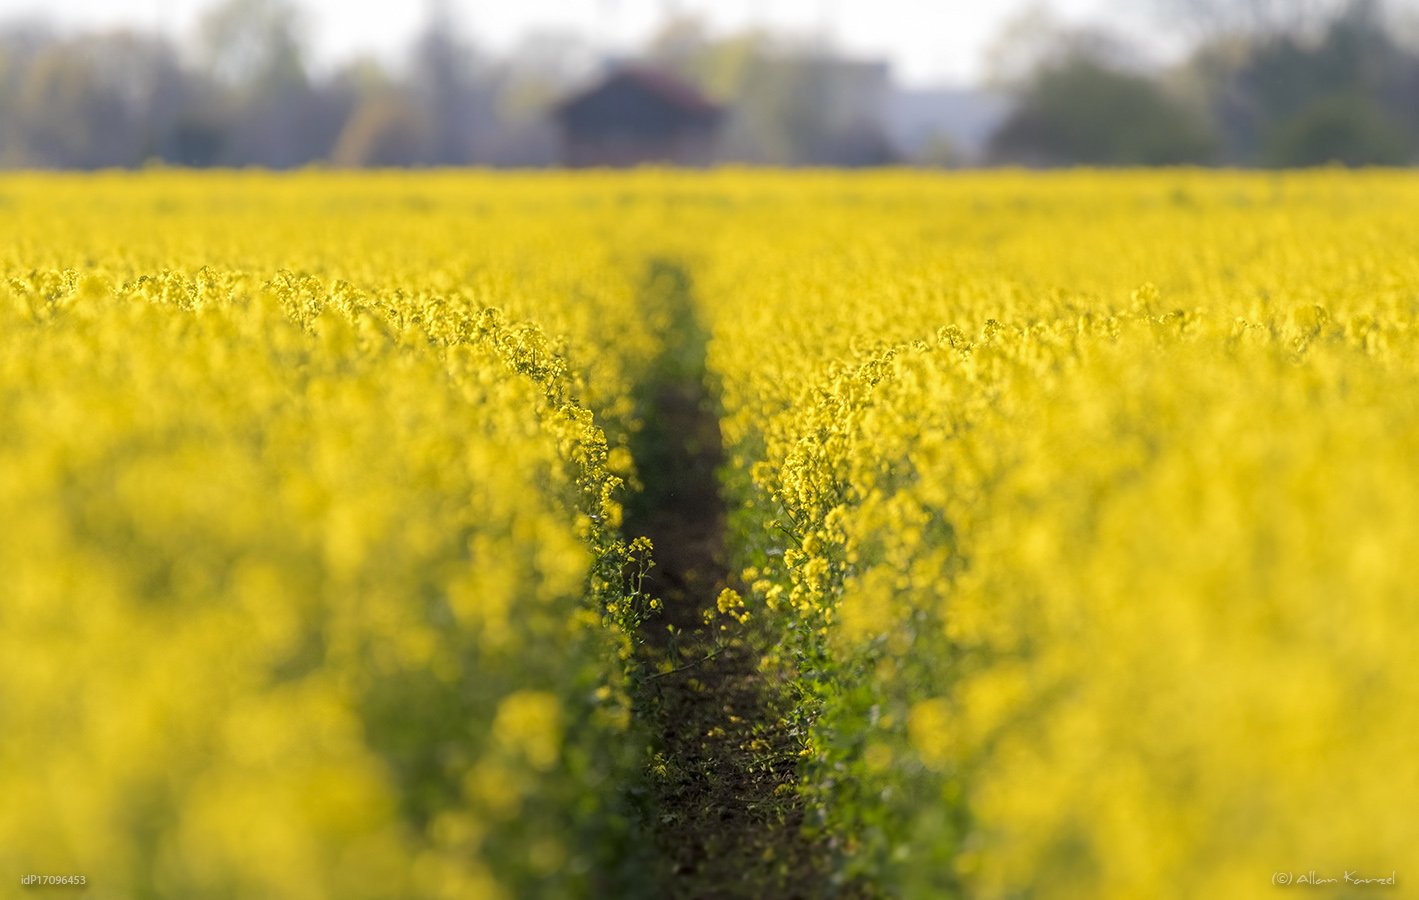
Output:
x=635 y=116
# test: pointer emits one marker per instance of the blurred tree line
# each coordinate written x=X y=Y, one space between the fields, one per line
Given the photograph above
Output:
x=791 y=101
x=244 y=94
x=1268 y=83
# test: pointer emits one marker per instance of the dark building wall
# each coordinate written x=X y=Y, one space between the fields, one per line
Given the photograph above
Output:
x=638 y=117
x=688 y=148
x=623 y=107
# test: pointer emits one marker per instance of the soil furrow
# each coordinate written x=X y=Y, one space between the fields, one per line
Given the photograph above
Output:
x=725 y=815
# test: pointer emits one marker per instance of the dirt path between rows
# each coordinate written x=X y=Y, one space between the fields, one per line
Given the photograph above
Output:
x=726 y=818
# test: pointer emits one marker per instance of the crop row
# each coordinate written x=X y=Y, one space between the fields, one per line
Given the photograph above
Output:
x=1083 y=507
x=313 y=580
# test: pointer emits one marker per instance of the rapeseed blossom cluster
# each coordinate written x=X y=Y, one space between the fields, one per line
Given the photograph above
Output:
x=1091 y=499
x=312 y=567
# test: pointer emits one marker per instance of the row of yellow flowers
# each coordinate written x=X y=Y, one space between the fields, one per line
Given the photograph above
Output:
x=312 y=577
x=1085 y=507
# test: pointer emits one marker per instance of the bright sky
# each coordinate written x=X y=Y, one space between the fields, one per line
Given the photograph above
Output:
x=928 y=41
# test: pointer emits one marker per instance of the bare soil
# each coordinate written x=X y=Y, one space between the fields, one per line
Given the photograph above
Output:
x=726 y=818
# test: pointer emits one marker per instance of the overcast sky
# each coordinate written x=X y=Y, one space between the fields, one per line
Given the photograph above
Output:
x=928 y=41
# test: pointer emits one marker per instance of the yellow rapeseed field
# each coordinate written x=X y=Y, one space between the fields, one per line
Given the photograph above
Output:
x=311 y=570
x=1079 y=511
x=1087 y=507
